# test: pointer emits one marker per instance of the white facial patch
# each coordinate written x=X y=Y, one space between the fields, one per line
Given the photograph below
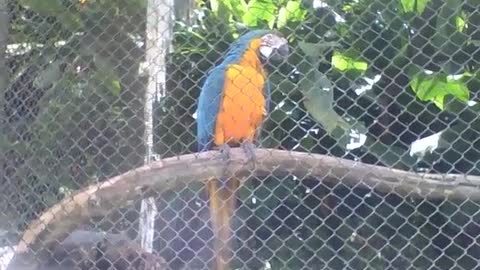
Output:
x=266 y=51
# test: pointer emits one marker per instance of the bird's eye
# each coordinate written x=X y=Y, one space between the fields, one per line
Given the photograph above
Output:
x=266 y=40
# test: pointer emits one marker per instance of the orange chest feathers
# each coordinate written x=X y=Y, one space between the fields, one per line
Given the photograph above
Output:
x=242 y=109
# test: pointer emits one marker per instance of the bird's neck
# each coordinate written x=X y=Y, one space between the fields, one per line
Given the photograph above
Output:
x=250 y=57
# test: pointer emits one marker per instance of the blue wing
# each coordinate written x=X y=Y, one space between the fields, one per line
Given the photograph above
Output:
x=208 y=107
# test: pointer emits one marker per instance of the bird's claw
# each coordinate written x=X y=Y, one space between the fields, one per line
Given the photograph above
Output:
x=225 y=152
x=225 y=156
x=249 y=149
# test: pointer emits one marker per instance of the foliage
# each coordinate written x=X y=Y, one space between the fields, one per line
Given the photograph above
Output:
x=435 y=88
x=72 y=98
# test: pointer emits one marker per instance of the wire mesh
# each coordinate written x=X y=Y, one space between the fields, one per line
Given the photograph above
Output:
x=92 y=89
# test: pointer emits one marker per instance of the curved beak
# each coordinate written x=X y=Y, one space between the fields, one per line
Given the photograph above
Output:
x=280 y=52
x=283 y=50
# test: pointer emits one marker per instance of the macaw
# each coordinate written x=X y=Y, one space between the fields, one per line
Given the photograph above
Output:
x=232 y=105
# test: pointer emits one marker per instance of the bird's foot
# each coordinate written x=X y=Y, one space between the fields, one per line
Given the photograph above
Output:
x=249 y=149
x=225 y=152
x=225 y=156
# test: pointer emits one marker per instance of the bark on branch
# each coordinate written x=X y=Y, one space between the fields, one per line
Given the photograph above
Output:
x=98 y=199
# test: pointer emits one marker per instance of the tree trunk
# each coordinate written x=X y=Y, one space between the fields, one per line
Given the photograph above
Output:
x=159 y=33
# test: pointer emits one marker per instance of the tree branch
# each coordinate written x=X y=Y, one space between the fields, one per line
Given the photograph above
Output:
x=159 y=176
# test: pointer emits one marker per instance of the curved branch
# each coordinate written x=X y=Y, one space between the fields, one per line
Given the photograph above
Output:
x=118 y=191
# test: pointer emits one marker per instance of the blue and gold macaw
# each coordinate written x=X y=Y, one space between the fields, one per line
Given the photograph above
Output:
x=231 y=108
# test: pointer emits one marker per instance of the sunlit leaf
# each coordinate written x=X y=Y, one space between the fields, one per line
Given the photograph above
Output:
x=214 y=5
x=408 y=5
x=260 y=10
x=292 y=11
x=460 y=23
x=220 y=9
x=347 y=7
x=417 y=6
x=115 y=85
x=227 y=8
x=343 y=62
x=238 y=7
x=436 y=87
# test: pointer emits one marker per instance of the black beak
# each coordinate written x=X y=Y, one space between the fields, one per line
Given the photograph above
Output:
x=283 y=50
x=280 y=54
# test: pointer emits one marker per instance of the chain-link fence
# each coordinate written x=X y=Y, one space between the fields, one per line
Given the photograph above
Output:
x=368 y=155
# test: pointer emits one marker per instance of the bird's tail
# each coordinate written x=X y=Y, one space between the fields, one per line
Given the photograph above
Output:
x=222 y=204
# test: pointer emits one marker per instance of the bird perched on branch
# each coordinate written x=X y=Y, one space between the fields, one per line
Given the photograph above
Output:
x=233 y=103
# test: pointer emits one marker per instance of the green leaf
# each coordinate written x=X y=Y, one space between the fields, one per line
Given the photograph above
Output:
x=343 y=62
x=237 y=7
x=214 y=5
x=291 y=12
x=417 y=6
x=220 y=9
x=435 y=87
x=228 y=9
x=460 y=23
x=115 y=86
x=260 y=10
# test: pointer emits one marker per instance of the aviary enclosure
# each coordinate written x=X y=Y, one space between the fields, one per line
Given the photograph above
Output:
x=368 y=156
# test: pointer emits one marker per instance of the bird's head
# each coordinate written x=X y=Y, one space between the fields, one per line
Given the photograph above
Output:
x=273 y=48
x=269 y=46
